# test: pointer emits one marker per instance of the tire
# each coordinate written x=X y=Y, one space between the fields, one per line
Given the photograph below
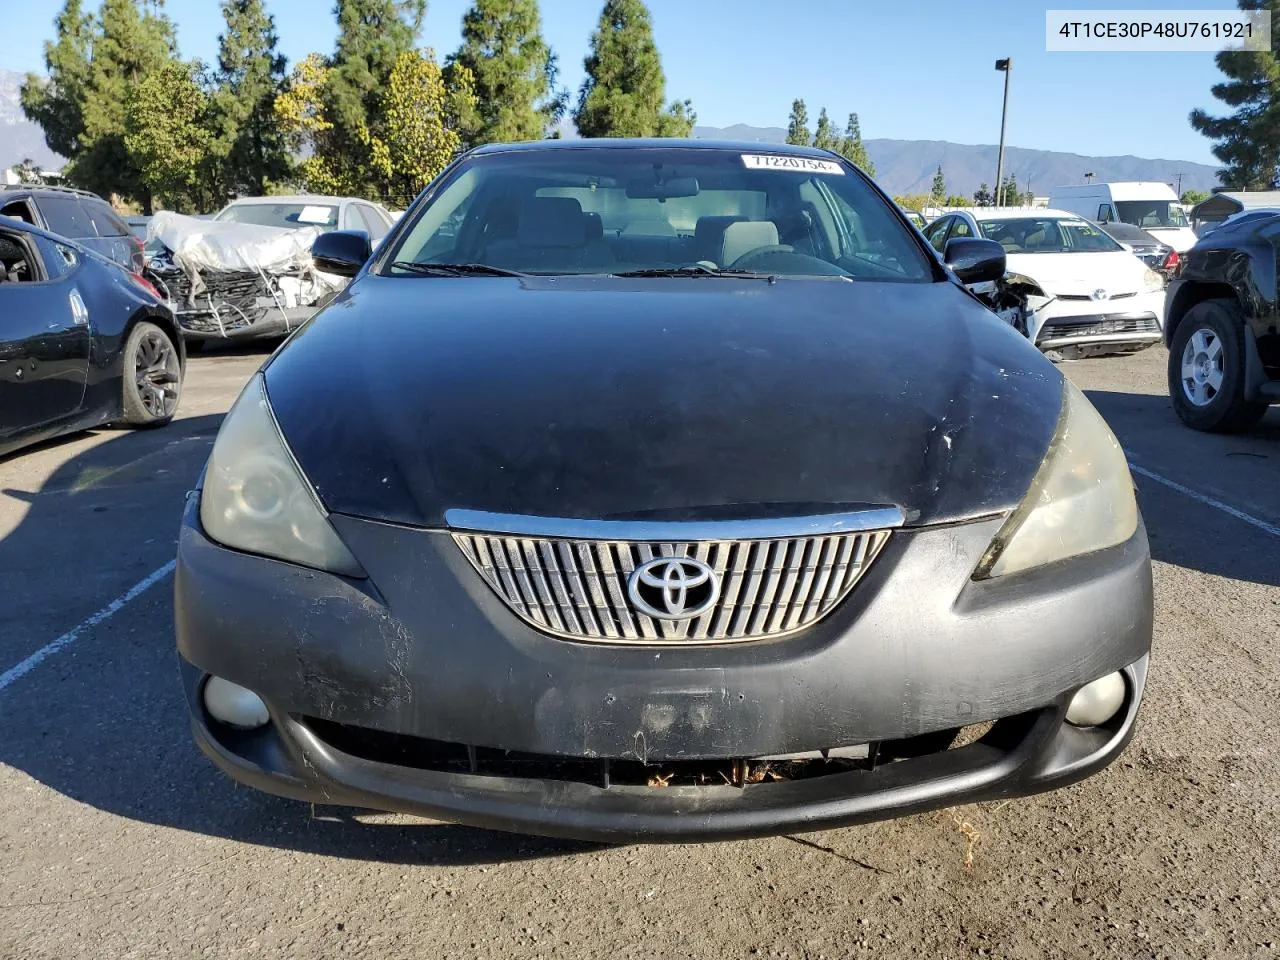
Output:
x=151 y=377
x=1206 y=369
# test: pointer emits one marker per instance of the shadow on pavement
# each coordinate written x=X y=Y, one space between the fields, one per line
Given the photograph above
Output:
x=1239 y=470
x=104 y=722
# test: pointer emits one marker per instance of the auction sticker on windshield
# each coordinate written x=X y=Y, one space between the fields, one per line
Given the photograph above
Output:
x=755 y=161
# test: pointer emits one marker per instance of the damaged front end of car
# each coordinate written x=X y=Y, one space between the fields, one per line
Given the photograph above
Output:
x=236 y=280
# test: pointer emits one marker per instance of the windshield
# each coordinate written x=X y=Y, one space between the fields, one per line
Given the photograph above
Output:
x=1047 y=235
x=294 y=215
x=622 y=210
x=1151 y=213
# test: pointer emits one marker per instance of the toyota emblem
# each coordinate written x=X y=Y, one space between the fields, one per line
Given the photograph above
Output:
x=673 y=588
x=1099 y=294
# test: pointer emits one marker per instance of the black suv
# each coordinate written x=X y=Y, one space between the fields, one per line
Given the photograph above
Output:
x=77 y=215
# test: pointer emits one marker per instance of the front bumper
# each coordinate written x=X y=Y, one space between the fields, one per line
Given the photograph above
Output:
x=369 y=687
x=272 y=322
x=1128 y=323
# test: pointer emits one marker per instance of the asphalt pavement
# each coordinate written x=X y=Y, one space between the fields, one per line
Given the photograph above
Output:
x=118 y=840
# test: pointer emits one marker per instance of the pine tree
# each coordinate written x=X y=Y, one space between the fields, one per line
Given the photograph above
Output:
x=1010 y=195
x=130 y=44
x=625 y=88
x=251 y=73
x=513 y=70
x=852 y=149
x=982 y=196
x=57 y=104
x=1247 y=140
x=798 y=125
x=824 y=135
x=938 y=190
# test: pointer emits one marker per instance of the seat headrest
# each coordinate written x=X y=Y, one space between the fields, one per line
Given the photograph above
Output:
x=708 y=233
x=744 y=236
x=551 y=222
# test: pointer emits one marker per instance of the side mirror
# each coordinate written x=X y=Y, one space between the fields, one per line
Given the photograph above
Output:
x=342 y=252
x=974 y=260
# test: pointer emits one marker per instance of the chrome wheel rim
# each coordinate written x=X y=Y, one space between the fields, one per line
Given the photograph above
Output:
x=1202 y=367
x=156 y=374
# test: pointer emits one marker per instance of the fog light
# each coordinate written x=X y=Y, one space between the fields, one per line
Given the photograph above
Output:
x=233 y=705
x=1097 y=702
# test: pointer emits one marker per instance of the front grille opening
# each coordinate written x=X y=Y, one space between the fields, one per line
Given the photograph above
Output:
x=422 y=753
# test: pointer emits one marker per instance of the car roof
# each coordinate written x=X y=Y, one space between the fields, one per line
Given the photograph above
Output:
x=1016 y=213
x=37 y=188
x=653 y=143
x=295 y=198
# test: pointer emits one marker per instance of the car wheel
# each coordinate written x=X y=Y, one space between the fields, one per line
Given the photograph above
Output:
x=152 y=377
x=1206 y=369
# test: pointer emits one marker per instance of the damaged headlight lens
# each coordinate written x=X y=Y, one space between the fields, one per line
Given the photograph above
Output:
x=1081 y=499
x=1152 y=281
x=255 y=498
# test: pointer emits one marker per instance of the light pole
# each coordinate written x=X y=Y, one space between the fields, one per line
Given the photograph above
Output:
x=1005 y=66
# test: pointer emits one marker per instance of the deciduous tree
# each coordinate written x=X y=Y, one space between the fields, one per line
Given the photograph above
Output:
x=169 y=133
x=625 y=88
x=57 y=102
x=513 y=72
x=1192 y=197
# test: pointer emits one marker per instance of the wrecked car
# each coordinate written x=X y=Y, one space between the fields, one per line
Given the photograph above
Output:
x=1071 y=289
x=660 y=490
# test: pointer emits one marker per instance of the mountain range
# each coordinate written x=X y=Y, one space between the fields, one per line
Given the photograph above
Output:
x=902 y=166
x=908 y=166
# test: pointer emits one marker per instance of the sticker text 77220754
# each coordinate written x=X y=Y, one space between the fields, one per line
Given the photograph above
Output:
x=755 y=161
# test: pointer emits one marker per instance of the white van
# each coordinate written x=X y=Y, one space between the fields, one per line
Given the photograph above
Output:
x=1148 y=204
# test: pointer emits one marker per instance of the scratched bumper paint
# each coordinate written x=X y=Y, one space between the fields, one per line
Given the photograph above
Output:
x=424 y=648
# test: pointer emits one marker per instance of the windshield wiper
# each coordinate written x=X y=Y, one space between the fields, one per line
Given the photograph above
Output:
x=453 y=269
x=696 y=270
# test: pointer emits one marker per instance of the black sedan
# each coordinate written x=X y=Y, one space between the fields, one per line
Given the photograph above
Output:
x=661 y=490
x=83 y=341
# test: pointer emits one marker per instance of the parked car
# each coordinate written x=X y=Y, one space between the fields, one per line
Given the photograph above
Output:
x=246 y=272
x=1148 y=204
x=1224 y=351
x=83 y=341
x=915 y=218
x=680 y=493
x=77 y=215
x=1070 y=288
x=326 y=213
x=1160 y=257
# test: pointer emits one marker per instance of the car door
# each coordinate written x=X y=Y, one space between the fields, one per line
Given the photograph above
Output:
x=44 y=333
x=936 y=233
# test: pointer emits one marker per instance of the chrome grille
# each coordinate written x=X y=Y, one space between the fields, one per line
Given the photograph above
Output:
x=1098 y=326
x=578 y=588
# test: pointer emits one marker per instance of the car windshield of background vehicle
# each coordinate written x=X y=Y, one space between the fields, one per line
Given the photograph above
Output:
x=1048 y=235
x=293 y=215
x=1151 y=213
x=603 y=211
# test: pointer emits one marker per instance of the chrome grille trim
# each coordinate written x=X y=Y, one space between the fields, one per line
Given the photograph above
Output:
x=577 y=588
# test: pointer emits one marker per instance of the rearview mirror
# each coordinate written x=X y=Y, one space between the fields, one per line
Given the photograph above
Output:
x=672 y=187
x=974 y=260
x=342 y=252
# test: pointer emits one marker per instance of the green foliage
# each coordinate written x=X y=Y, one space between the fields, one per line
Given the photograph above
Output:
x=27 y=171
x=1011 y=196
x=625 y=88
x=169 y=133
x=851 y=147
x=251 y=74
x=955 y=200
x=798 y=125
x=1192 y=197
x=938 y=190
x=982 y=197
x=1247 y=141
x=56 y=104
x=130 y=45
x=513 y=72
x=418 y=135
x=914 y=201
x=824 y=135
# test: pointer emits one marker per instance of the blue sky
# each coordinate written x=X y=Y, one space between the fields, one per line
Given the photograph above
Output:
x=915 y=70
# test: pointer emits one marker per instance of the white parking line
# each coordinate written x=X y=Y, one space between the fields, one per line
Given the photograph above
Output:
x=1208 y=501
x=71 y=636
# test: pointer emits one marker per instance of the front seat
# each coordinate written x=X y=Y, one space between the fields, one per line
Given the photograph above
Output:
x=708 y=236
x=551 y=235
x=741 y=238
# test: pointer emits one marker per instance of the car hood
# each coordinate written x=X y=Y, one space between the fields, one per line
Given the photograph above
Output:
x=612 y=398
x=1080 y=274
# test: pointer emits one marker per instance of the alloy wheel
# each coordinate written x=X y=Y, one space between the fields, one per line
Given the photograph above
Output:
x=157 y=374
x=1202 y=367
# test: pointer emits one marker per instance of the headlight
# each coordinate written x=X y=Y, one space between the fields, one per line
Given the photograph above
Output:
x=1081 y=499
x=255 y=498
x=1152 y=281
